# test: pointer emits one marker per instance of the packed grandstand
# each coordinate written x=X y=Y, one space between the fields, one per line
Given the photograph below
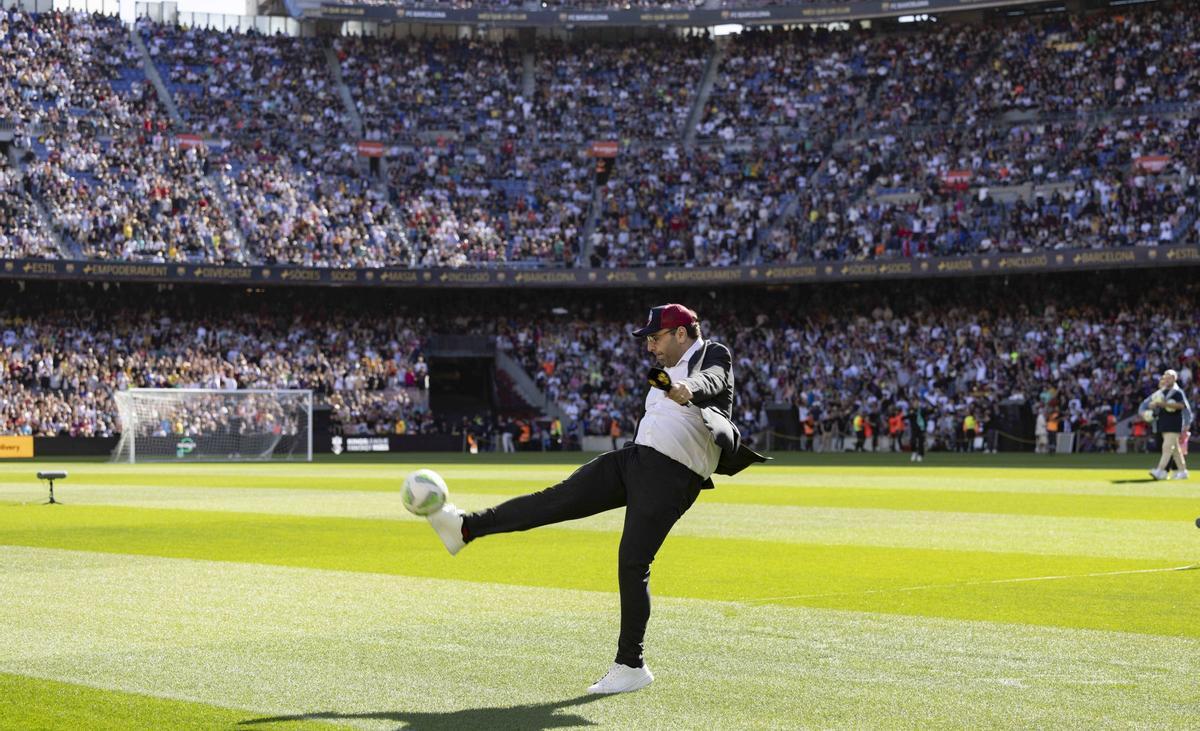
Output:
x=1060 y=131
x=1075 y=349
x=166 y=144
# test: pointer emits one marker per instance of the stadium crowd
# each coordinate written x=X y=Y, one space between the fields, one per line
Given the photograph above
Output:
x=22 y=233
x=638 y=89
x=1071 y=130
x=150 y=201
x=837 y=353
x=69 y=69
x=1076 y=350
x=464 y=86
x=62 y=364
x=232 y=84
x=703 y=207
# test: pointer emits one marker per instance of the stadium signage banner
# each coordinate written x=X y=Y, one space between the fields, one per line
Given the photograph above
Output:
x=16 y=447
x=1061 y=260
x=367 y=148
x=830 y=12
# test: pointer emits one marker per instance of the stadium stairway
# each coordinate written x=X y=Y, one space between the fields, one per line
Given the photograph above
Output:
x=335 y=70
x=528 y=80
x=706 y=85
x=69 y=249
x=589 y=226
x=787 y=211
x=523 y=385
x=155 y=78
x=509 y=400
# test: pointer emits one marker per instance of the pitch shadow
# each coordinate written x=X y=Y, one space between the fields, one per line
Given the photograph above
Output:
x=537 y=716
x=1137 y=481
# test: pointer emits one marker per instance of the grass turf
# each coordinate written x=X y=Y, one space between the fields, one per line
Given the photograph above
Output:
x=715 y=571
x=37 y=704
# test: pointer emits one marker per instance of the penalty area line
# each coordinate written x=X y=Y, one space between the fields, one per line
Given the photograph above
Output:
x=959 y=584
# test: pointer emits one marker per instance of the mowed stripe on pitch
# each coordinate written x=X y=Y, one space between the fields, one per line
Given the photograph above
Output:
x=774 y=482
x=1074 y=536
x=846 y=577
x=385 y=651
x=938 y=497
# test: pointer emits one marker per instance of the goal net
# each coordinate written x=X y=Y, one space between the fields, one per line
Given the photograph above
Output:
x=205 y=425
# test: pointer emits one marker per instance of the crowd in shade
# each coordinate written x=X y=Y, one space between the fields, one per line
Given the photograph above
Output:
x=1129 y=181
x=801 y=80
x=1077 y=350
x=941 y=140
x=638 y=89
x=61 y=365
x=467 y=87
x=667 y=206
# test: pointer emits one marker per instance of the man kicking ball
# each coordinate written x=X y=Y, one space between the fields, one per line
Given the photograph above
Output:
x=685 y=436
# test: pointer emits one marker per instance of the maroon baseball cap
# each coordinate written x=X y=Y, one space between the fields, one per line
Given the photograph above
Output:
x=666 y=317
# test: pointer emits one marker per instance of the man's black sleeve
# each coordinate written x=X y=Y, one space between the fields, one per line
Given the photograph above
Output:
x=713 y=377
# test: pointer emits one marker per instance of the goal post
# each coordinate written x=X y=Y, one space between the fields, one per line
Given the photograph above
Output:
x=212 y=425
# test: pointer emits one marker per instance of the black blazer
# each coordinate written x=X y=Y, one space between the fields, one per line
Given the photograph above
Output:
x=710 y=376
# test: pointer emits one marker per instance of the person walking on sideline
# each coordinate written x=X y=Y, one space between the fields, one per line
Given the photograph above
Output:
x=1171 y=410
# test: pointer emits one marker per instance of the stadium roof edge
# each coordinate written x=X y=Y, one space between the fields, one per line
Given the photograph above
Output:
x=829 y=12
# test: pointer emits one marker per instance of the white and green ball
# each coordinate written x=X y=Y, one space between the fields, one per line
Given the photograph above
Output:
x=1148 y=415
x=423 y=492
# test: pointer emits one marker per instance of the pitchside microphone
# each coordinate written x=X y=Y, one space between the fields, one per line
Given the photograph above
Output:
x=51 y=476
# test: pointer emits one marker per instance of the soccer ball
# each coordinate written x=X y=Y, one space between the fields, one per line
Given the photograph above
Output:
x=1148 y=415
x=1158 y=397
x=424 y=492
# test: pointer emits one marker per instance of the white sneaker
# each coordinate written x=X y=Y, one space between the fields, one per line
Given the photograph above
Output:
x=1180 y=475
x=622 y=679
x=447 y=523
x=1158 y=474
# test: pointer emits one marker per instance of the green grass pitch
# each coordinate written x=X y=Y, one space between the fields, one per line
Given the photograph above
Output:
x=818 y=592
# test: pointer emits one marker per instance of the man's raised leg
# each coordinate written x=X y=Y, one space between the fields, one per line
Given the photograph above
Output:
x=593 y=488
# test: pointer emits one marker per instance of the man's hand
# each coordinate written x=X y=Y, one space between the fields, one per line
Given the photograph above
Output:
x=680 y=393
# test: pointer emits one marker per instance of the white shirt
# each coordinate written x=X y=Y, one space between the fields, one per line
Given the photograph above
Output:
x=679 y=431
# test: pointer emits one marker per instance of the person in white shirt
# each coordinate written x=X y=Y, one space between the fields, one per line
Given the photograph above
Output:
x=1172 y=418
x=685 y=437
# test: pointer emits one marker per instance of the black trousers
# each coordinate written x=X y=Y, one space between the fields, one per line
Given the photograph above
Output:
x=655 y=490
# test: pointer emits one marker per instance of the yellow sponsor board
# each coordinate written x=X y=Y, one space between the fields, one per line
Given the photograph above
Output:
x=16 y=447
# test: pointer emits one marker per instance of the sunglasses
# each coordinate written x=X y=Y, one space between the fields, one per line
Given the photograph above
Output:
x=656 y=336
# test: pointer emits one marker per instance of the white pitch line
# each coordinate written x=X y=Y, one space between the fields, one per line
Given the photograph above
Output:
x=924 y=587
